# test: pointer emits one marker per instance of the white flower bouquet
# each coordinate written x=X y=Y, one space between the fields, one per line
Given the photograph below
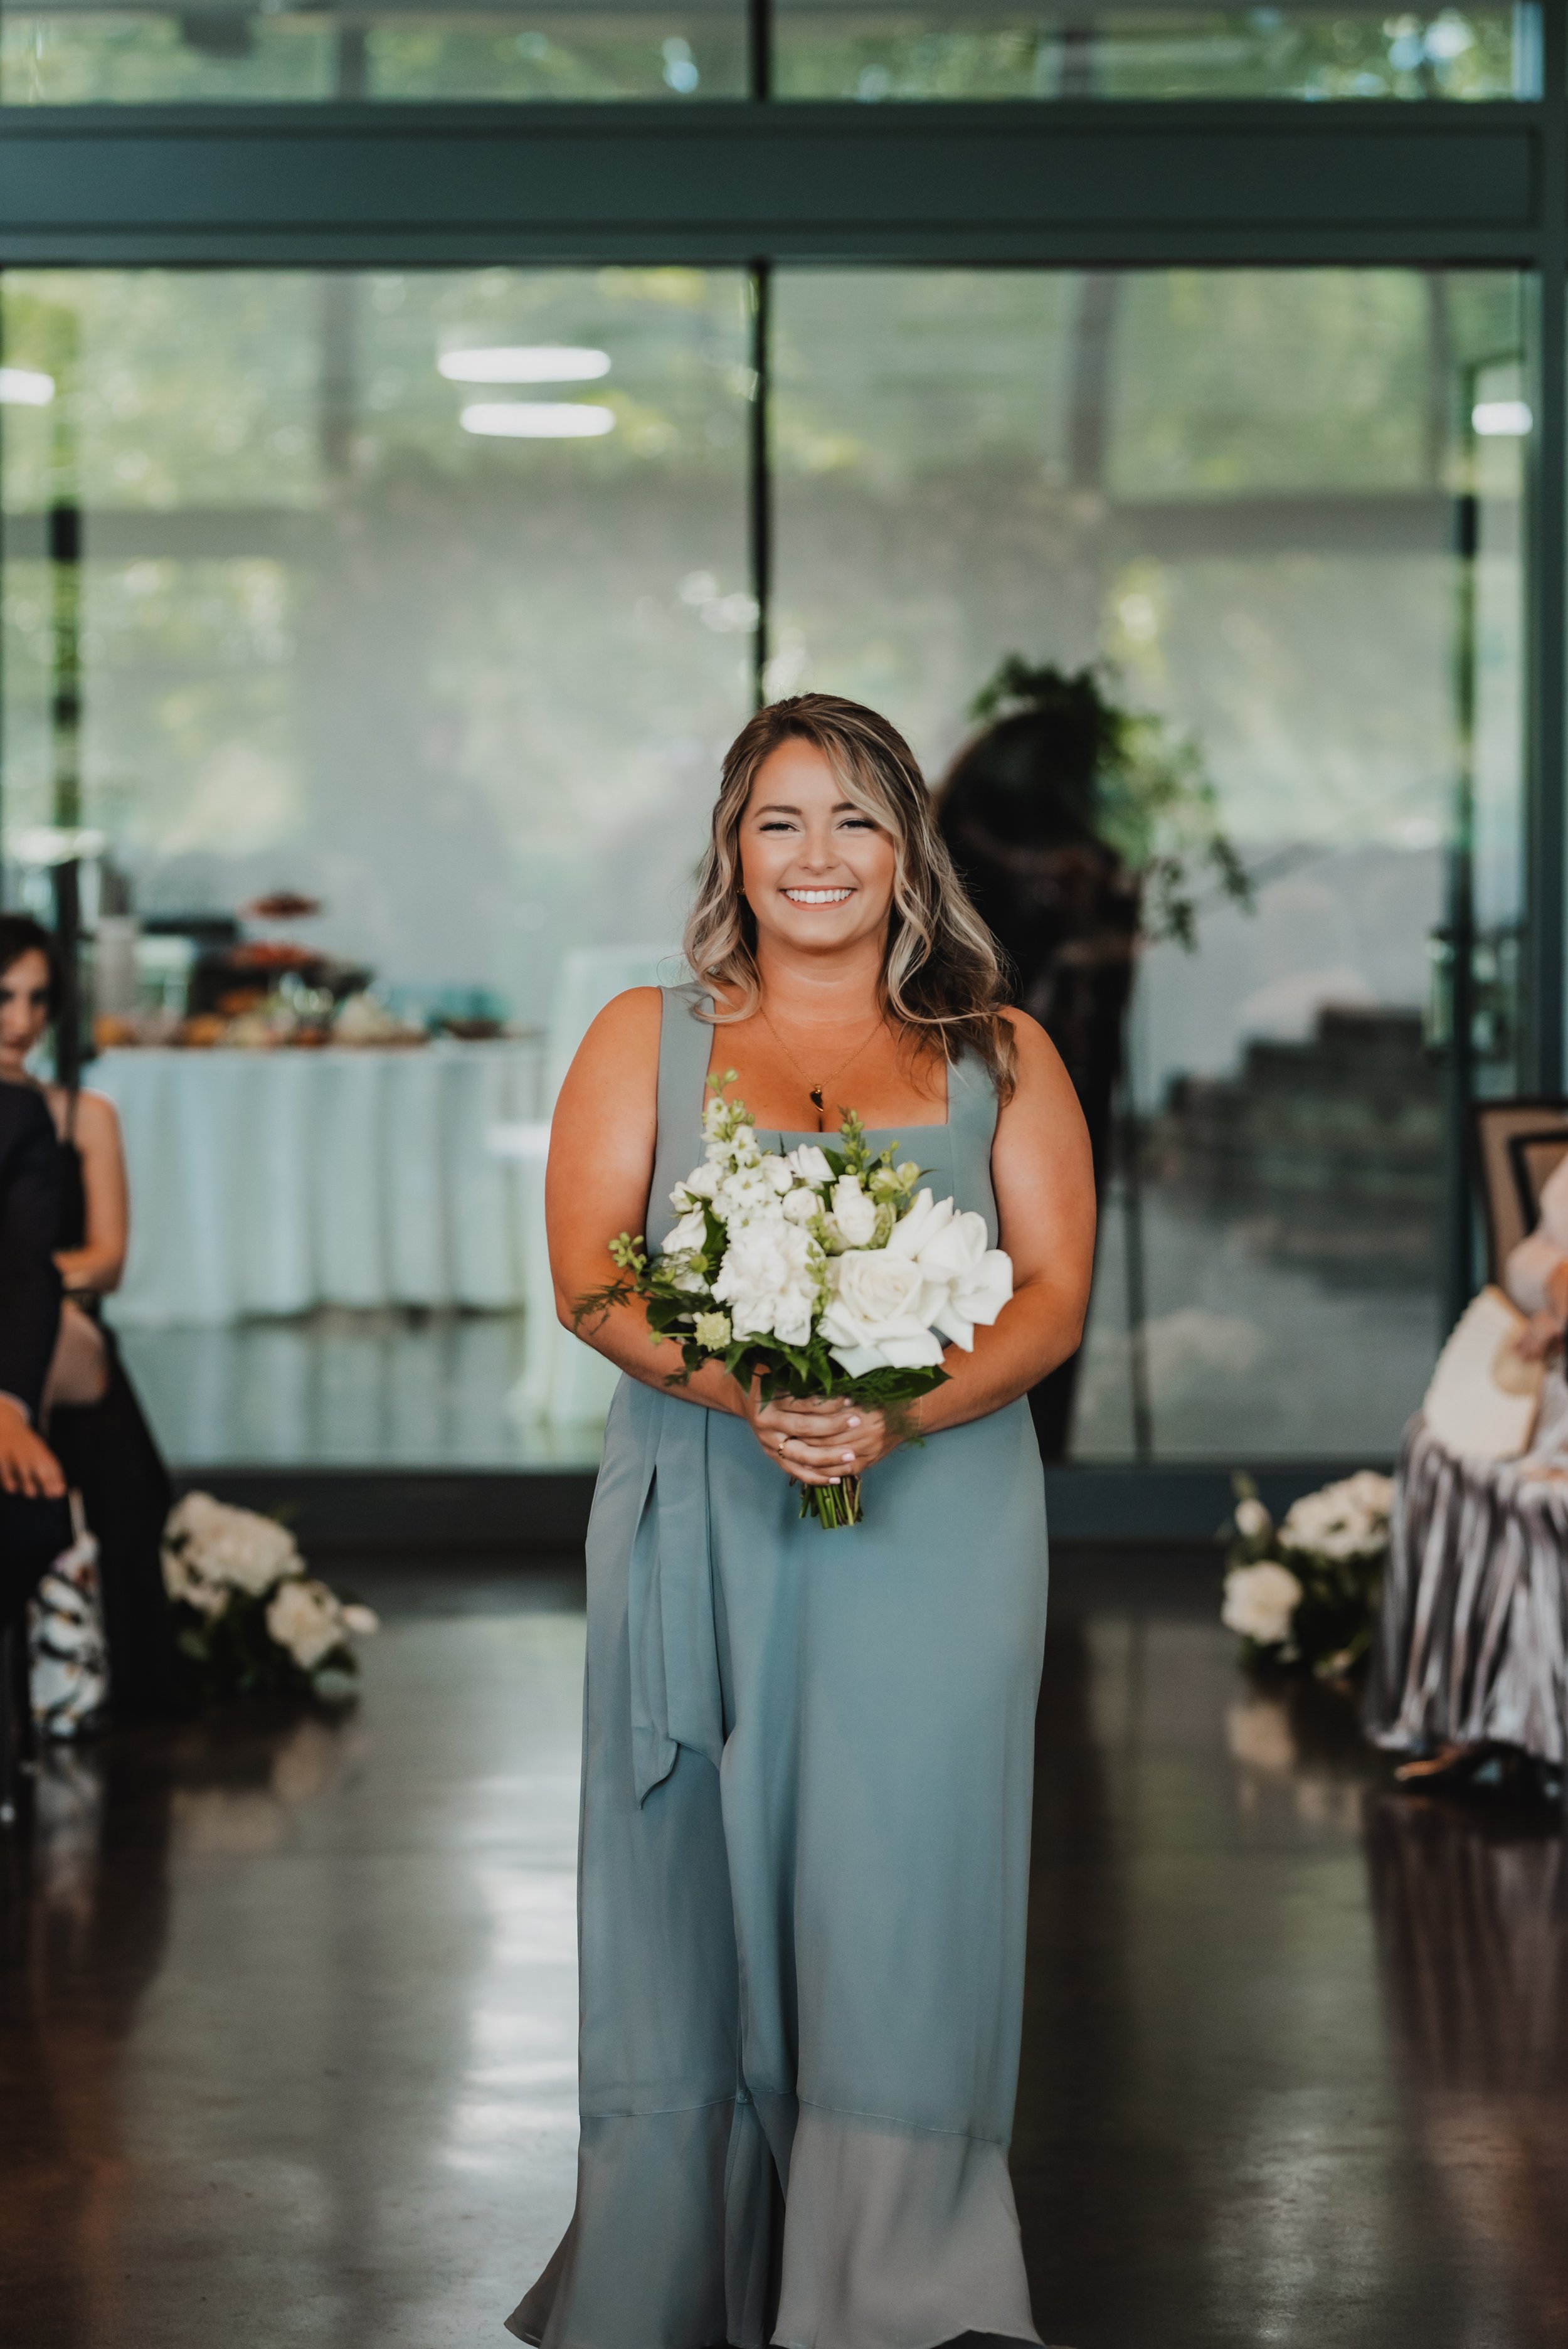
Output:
x=823 y=1270
x=1305 y=1591
x=252 y=1620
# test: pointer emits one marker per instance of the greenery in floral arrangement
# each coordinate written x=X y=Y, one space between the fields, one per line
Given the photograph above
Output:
x=1304 y=1594
x=252 y=1621
x=1150 y=797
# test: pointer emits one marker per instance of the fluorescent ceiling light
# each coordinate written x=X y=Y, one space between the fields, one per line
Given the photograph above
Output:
x=538 y=419
x=531 y=363
x=25 y=388
x=1501 y=420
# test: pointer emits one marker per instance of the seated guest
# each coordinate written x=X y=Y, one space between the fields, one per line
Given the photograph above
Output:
x=1536 y=1273
x=1470 y=1665
x=35 y=1524
x=94 y=1422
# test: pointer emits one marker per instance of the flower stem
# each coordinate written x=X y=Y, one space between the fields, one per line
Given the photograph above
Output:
x=832 y=1504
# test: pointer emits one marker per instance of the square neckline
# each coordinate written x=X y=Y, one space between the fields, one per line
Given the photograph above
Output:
x=795 y=1134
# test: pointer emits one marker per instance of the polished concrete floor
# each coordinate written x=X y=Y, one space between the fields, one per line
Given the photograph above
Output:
x=288 y=2005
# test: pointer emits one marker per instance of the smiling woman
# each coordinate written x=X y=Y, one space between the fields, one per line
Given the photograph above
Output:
x=774 y=2147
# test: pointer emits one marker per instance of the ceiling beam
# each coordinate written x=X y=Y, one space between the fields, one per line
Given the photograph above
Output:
x=1109 y=184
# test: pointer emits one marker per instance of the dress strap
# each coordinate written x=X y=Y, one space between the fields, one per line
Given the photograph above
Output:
x=685 y=1044
x=970 y=1100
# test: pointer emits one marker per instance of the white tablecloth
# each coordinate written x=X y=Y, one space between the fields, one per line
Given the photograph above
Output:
x=274 y=1182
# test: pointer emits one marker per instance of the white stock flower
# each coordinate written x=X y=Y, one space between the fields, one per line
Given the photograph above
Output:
x=305 y=1618
x=1260 y=1601
x=1252 y=1519
x=746 y=1197
x=854 y=1214
x=768 y=1279
x=808 y=1165
x=874 y=1318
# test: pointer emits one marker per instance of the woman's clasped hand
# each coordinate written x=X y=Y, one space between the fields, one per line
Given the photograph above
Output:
x=819 y=1440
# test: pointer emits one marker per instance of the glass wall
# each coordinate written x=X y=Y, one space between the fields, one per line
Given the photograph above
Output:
x=413 y=619
x=413 y=613
x=1242 y=493
x=874 y=50
x=70 y=54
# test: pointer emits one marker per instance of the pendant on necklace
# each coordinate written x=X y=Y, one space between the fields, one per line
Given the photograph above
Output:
x=816 y=1091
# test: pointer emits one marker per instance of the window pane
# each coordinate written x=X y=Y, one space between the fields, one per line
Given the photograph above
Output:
x=425 y=598
x=1239 y=492
x=876 y=50
x=72 y=55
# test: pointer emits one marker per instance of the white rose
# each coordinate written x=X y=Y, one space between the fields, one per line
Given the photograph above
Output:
x=1260 y=1601
x=1252 y=1519
x=768 y=1280
x=186 y=1585
x=854 y=1214
x=979 y=1280
x=690 y=1232
x=919 y=1224
x=802 y=1205
x=873 y=1319
x=234 y=1547
x=808 y=1165
x=305 y=1619
x=700 y=1183
x=778 y=1172
x=1344 y=1521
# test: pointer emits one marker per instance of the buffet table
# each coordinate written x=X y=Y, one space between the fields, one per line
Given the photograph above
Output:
x=272 y=1181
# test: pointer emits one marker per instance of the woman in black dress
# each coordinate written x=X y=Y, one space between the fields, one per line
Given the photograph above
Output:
x=94 y=1424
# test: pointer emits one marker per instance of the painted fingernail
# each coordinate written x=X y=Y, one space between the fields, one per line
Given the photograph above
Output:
x=846 y=1456
x=853 y=1421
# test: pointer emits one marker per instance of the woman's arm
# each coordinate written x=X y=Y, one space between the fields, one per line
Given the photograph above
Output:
x=99 y=1262
x=1043 y=1177
x=602 y=1143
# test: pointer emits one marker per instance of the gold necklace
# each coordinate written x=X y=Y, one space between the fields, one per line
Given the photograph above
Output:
x=816 y=1091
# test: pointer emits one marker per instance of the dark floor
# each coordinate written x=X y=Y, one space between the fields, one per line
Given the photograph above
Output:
x=287 y=2013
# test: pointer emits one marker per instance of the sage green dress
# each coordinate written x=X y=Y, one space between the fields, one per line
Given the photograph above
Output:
x=804 y=1860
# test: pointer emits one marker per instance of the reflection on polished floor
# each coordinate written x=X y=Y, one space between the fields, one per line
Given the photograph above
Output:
x=287 y=2041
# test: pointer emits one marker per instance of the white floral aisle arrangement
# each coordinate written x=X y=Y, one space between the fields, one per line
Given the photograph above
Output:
x=253 y=1620
x=1305 y=1592
x=823 y=1270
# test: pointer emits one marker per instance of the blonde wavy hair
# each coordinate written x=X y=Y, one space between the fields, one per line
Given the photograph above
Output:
x=941 y=975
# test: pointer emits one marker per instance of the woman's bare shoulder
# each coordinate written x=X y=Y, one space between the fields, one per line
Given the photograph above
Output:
x=622 y=1046
x=1037 y=1062
x=98 y=1122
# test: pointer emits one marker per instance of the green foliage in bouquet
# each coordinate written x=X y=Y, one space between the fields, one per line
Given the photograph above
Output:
x=1304 y=1595
x=678 y=1286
